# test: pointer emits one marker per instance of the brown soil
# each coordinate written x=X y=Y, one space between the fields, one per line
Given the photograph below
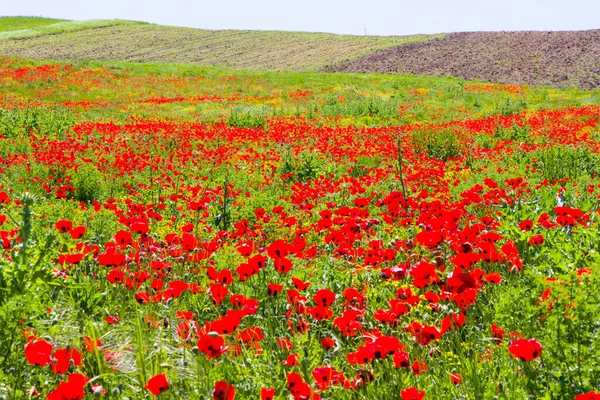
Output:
x=559 y=59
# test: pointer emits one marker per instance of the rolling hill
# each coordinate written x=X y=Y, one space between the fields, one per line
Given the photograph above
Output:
x=141 y=42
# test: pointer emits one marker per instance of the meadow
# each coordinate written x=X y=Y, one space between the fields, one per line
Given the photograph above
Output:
x=199 y=232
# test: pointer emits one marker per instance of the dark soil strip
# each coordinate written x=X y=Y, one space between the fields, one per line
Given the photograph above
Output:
x=559 y=59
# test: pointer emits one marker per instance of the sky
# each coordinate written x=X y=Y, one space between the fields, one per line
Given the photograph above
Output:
x=375 y=17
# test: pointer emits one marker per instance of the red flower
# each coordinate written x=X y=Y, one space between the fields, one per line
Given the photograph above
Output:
x=273 y=289
x=213 y=345
x=456 y=378
x=279 y=249
x=493 y=277
x=588 y=396
x=526 y=225
x=38 y=352
x=536 y=240
x=328 y=343
x=78 y=233
x=324 y=297
x=223 y=391
x=525 y=349
x=157 y=384
x=64 y=225
x=73 y=389
x=267 y=394
x=300 y=284
x=218 y=292
x=412 y=393
x=62 y=360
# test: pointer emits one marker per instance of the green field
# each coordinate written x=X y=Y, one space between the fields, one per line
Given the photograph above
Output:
x=20 y=23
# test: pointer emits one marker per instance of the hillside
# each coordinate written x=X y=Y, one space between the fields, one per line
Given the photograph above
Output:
x=122 y=40
x=20 y=23
x=558 y=59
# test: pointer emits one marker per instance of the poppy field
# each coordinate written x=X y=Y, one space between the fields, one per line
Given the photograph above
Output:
x=206 y=233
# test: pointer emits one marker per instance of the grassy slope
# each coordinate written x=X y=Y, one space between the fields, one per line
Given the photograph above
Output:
x=20 y=23
x=120 y=40
x=63 y=27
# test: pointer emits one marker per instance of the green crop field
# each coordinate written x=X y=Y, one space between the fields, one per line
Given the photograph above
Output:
x=21 y=23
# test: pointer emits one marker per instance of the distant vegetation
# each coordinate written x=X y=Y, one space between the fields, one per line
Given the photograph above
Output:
x=17 y=23
x=129 y=41
x=57 y=27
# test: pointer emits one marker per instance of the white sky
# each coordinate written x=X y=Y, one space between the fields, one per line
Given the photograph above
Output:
x=378 y=17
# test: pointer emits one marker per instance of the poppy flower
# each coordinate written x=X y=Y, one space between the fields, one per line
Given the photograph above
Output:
x=62 y=360
x=291 y=360
x=284 y=344
x=456 y=378
x=324 y=297
x=223 y=391
x=526 y=225
x=73 y=389
x=267 y=394
x=212 y=344
x=536 y=240
x=218 y=293
x=588 y=396
x=157 y=384
x=328 y=343
x=525 y=349
x=78 y=232
x=493 y=277
x=38 y=352
x=273 y=289
x=64 y=225
x=401 y=359
x=300 y=284
x=412 y=393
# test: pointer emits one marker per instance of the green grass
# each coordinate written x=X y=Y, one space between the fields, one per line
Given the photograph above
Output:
x=63 y=27
x=113 y=40
x=23 y=23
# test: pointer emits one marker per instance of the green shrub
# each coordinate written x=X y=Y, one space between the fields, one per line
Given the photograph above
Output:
x=557 y=163
x=248 y=117
x=521 y=133
x=87 y=183
x=51 y=122
x=443 y=145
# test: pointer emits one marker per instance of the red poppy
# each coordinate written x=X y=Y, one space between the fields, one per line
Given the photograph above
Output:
x=588 y=396
x=536 y=240
x=157 y=384
x=273 y=289
x=456 y=378
x=78 y=232
x=324 y=297
x=525 y=349
x=64 y=225
x=62 y=360
x=493 y=277
x=267 y=394
x=300 y=284
x=38 y=352
x=412 y=393
x=218 y=293
x=211 y=344
x=328 y=343
x=223 y=391
x=526 y=225
x=73 y=389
